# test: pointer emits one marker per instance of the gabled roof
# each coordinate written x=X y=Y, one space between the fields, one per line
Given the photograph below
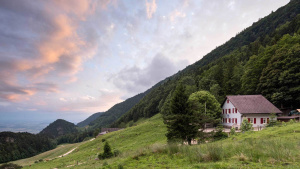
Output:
x=252 y=104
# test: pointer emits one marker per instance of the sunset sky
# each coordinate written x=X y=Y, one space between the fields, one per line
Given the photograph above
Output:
x=71 y=58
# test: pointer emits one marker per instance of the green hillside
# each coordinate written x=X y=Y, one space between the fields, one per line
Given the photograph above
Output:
x=144 y=146
x=89 y=119
x=262 y=59
x=14 y=146
x=59 y=128
x=115 y=112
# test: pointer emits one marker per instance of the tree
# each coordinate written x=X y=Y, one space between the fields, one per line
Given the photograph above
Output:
x=107 y=152
x=179 y=119
x=204 y=108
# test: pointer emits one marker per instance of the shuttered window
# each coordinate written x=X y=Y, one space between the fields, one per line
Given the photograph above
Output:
x=229 y=111
x=261 y=120
x=235 y=110
x=236 y=120
x=254 y=120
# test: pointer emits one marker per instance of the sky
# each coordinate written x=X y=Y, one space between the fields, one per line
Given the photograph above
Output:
x=72 y=58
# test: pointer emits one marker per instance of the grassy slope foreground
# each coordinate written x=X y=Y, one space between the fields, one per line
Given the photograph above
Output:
x=144 y=146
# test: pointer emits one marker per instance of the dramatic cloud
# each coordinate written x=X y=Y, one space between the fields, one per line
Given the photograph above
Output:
x=137 y=80
x=151 y=8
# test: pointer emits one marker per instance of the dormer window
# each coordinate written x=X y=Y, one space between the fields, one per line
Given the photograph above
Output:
x=227 y=101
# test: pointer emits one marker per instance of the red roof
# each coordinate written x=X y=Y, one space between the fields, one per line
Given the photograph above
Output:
x=252 y=104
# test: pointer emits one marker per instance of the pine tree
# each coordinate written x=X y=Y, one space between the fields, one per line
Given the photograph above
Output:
x=179 y=120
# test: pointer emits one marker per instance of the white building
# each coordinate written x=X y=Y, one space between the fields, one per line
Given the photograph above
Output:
x=255 y=108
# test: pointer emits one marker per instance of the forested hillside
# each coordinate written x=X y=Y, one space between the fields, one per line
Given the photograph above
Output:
x=262 y=59
x=58 y=128
x=14 y=146
x=114 y=113
x=89 y=119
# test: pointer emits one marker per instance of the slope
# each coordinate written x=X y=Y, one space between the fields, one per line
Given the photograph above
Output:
x=89 y=119
x=128 y=141
x=144 y=146
x=237 y=67
x=14 y=146
x=58 y=128
x=114 y=113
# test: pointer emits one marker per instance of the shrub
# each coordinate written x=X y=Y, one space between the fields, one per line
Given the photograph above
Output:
x=246 y=126
x=232 y=131
x=219 y=134
x=107 y=152
x=103 y=140
x=116 y=153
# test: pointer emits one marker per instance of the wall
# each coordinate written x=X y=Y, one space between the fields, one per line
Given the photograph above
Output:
x=231 y=115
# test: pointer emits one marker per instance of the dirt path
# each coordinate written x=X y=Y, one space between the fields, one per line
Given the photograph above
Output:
x=67 y=152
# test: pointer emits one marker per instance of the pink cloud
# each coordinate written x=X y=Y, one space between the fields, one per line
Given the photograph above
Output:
x=150 y=8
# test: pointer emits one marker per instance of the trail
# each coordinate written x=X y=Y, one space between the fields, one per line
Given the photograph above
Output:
x=67 y=152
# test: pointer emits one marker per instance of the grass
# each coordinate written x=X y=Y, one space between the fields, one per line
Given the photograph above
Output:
x=144 y=146
x=60 y=150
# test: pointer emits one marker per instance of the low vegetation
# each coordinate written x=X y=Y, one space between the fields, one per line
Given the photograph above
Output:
x=145 y=146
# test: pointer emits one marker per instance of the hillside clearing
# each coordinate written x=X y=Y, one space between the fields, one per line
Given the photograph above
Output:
x=144 y=146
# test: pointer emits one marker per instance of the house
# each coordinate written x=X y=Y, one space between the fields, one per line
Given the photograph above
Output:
x=294 y=114
x=108 y=130
x=255 y=108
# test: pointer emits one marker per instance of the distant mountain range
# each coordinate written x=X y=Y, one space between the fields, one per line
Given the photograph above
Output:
x=89 y=119
x=59 y=128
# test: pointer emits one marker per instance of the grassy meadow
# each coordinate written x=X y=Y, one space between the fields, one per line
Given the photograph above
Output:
x=144 y=146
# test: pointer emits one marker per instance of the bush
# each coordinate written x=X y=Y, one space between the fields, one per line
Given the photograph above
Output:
x=107 y=152
x=116 y=153
x=103 y=140
x=232 y=131
x=219 y=134
x=246 y=126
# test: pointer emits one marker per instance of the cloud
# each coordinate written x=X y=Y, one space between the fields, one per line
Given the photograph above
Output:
x=47 y=45
x=150 y=8
x=136 y=80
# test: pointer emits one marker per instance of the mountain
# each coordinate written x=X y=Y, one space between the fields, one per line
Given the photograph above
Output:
x=58 y=128
x=262 y=59
x=115 y=112
x=89 y=119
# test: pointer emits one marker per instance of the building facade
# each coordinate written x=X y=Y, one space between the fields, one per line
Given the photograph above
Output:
x=255 y=108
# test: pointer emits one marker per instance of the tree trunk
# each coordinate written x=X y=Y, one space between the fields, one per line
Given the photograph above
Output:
x=189 y=141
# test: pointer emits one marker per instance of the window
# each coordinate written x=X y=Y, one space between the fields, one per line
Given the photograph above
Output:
x=235 y=110
x=252 y=120
x=263 y=120
x=232 y=110
x=227 y=101
x=229 y=120
x=229 y=111
x=236 y=120
x=225 y=111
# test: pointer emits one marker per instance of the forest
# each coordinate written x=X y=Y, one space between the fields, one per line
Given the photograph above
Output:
x=14 y=146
